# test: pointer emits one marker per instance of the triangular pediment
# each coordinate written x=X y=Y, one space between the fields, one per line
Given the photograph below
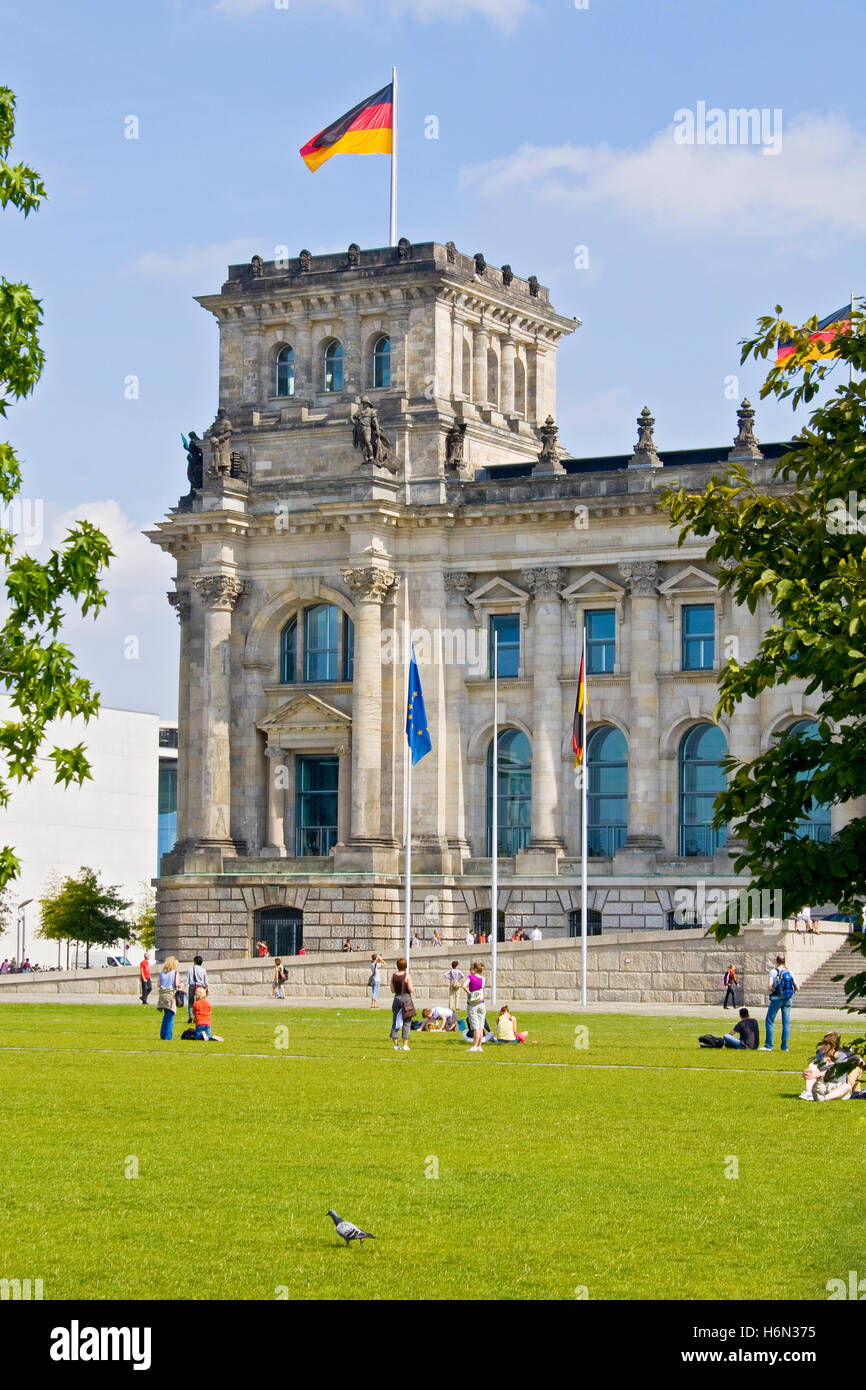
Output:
x=689 y=581
x=593 y=585
x=305 y=714
x=498 y=590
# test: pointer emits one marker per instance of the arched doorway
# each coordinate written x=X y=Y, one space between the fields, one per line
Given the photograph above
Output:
x=481 y=920
x=281 y=929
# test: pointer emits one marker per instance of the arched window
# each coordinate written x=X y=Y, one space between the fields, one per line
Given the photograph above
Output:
x=519 y=387
x=701 y=780
x=492 y=377
x=481 y=920
x=815 y=825
x=467 y=370
x=321 y=642
x=281 y=929
x=289 y=652
x=334 y=366
x=514 y=792
x=286 y=371
x=606 y=792
x=382 y=361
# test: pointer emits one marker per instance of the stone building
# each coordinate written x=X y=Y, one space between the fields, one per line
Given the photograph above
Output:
x=385 y=467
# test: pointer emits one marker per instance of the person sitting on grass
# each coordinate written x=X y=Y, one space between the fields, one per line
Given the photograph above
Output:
x=506 y=1027
x=201 y=1012
x=438 y=1020
x=746 y=1033
x=833 y=1073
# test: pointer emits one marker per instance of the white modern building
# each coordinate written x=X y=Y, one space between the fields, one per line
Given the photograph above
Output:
x=110 y=824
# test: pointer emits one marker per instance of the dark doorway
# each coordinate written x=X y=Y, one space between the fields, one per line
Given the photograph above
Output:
x=281 y=929
x=481 y=923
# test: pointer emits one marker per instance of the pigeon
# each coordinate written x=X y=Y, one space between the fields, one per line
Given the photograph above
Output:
x=347 y=1230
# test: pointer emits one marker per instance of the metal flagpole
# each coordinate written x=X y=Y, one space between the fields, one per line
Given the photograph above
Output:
x=584 y=924
x=394 y=160
x=408 y=865
x=494 y=857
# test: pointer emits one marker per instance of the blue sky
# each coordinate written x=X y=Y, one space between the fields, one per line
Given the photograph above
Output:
x=555 y=132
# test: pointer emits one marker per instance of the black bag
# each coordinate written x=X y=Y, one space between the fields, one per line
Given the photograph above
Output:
x=707 y=1040
x=180 y=998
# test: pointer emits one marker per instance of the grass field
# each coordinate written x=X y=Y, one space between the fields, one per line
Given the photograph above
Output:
x=559 y=1168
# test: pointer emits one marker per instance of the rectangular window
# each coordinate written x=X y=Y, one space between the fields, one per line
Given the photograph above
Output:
x=600 y=628
x=316 y=805
x=699 y=644
x=348 y=648
x=506 y=628
x=321 y=649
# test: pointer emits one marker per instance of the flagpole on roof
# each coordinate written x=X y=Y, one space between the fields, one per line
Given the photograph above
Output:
x=494 y=856
x=394 y=160
x=584 y=924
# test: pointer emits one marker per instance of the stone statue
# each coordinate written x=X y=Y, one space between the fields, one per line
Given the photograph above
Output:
x=549 y=455
x=403 y=248
x=257 y=267
x=746 y=446
x=367 y=435
x=533 y=286
x=353 y=255
x=194 y=462
x=451 y=253
x=219 y=436
x=305 y=260
x=507 y=275
x=454 y=442
x=480 y=263
x=645 y=452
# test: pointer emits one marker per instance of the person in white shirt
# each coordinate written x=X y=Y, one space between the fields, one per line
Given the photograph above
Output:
x=804 y=916
x=535 y=934
x=439 y=1020
x=470 y=939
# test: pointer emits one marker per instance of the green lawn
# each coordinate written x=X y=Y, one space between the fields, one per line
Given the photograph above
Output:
x=558 y=1168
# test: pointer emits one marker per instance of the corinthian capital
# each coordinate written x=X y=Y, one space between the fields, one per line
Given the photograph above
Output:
x=220 y=591
x=181 y=602
x=640 y=577
x=457 y=582
x=369 y=583
x=543 y=583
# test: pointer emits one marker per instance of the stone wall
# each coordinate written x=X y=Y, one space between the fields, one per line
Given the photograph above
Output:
x=635 y=968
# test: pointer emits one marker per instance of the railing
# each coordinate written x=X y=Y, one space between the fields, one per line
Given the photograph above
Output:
x=604 y=840
x=314 y=841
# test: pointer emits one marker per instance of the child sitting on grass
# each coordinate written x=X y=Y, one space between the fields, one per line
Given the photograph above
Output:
x=201 y=1012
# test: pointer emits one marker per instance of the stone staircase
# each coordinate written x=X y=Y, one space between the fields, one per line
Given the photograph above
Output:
x=821 y=991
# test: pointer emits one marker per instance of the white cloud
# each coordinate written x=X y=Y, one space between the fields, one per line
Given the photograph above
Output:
x=205 y=262
x=139 y=571
x=504 y=14
x=815 y=185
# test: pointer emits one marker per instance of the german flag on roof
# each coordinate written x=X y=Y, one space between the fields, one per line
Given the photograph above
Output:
x=820 y=340
x=366 y=129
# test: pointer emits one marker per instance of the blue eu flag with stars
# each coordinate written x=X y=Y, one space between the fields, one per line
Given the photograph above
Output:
x=416 y=716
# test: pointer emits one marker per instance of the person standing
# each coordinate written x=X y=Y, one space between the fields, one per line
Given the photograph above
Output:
x=730 y=983
x=781 y=988
x=144 y=978
x=475 y=1009
x=375 y=980
x=535 y=934
x=280 y=977
x=261 y=949
x=166 y=1000
x=454 y=978
x=402 y=1004
x=196 y=978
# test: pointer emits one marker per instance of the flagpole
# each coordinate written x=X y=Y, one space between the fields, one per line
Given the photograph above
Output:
x=584 y=769
x=407 y=929
x=494 y=858
x=394 y=161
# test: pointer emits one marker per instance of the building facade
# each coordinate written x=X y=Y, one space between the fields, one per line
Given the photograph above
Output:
x=384 y=468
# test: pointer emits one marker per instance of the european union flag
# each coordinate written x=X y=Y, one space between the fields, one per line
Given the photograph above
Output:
x=416 y=716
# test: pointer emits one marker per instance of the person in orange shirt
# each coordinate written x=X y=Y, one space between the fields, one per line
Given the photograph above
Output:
x=201 y=1012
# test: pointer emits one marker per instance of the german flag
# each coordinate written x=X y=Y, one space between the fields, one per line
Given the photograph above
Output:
x=367 y=129
x=840 y=322
x=578 y=728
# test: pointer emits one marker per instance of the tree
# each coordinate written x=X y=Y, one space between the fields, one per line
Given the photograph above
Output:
x=142 y=919
x=800 y=545
x=37 y=670
x=82 y=909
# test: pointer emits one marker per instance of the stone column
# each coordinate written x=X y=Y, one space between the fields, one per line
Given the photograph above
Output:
x=645 y=812
x=547 y=724
x=506 y=382
x=399 y=334
x=181 y=602
x=479 y=365
x=344 y=794
x=304 y=365
x=456 y=357
x=219 y=594
x=369 y=584
x=275 y=759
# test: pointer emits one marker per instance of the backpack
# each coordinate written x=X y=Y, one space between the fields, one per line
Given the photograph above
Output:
x=283 y=975
x=783 y=985
x=707 y=1040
